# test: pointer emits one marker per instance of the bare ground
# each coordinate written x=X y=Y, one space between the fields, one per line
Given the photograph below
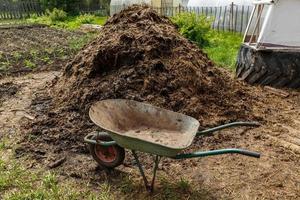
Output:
x=276 y=175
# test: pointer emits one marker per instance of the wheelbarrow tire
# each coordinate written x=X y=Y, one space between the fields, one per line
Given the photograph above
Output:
x=107 y=157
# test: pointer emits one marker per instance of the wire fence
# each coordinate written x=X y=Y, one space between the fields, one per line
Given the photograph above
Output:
x=226 y=18
x=19 y=9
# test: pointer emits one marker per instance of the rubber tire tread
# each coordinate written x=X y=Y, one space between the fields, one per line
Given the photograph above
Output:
x=273 y=68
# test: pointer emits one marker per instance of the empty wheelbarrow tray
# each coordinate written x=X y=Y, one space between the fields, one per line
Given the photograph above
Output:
x=146 y=128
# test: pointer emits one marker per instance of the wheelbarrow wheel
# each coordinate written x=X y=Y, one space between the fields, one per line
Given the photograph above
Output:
x=108 y=157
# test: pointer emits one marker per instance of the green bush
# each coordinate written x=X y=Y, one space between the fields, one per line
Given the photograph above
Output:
x=56 y=15
x=194 y=27
x=85 y=19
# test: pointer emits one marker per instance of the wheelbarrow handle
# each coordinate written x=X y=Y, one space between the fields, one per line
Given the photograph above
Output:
x=217 y=152
x=233 y=124
x=90 y=138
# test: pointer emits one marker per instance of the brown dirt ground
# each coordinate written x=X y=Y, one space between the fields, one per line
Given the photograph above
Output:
x=276 y=175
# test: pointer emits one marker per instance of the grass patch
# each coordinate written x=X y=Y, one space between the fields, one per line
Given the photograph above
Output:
x=76 y=44
x=223 y=47
x=12 y=22
x=17 y=183
x=69 y=22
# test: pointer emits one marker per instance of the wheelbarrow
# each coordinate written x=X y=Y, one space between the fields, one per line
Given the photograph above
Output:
x=142 y=127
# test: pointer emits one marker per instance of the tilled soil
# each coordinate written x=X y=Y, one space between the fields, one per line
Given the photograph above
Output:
x=30 y=48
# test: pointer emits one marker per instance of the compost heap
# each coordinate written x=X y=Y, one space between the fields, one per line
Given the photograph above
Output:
x=141 y=56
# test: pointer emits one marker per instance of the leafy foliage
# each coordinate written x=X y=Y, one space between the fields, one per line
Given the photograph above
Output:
x=194 y=27
x=85 y=19
x=70 y=6
x=56 y=15
x=221 y=47
x=58 y=20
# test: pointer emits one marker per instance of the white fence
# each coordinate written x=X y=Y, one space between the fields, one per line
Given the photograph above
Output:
x=225 y=18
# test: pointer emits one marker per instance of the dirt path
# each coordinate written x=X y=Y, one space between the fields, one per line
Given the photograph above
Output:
x=275 y=176
x=14 y=107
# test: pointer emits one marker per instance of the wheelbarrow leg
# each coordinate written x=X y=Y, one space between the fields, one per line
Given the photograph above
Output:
x=149 y=188
x=141 y=170
x=156 y=162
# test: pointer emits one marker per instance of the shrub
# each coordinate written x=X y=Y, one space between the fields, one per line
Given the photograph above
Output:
x=56 y=15
x=85 y=19
x=193 y=27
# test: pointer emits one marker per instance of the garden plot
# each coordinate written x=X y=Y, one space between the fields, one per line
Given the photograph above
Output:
x=168 y=71
x=26 y=48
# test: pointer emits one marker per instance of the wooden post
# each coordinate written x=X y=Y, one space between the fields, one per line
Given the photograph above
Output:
x=220 y=11
x=224 y=18
x=231 y=17
x=235 y=20
x=242 y=20
x=215 y=16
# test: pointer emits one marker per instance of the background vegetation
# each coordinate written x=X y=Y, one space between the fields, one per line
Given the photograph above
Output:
x=72 y=7
x=221 y=47
x=59 y=19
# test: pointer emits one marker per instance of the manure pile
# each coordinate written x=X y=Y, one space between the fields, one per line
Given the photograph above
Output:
x=140 y=56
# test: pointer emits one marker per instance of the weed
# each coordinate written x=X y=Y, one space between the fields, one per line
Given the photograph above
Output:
x=127 y=186
x=45 y=58
x=85 y=19
x=5 y=65
x=56 y=15
x=183 y=185
x=105 y=193
x=29 y=64
x=76 y=44
x=194 y=27
x=17 y=55
x=3 y=144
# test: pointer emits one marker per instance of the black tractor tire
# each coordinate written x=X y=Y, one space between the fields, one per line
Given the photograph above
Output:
x=276 y=68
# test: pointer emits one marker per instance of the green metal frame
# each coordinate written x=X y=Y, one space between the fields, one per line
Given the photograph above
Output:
x=233 y=124
x=217 y=152
x=91 y=138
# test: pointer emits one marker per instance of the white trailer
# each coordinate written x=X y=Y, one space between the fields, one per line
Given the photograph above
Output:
x=270 y=53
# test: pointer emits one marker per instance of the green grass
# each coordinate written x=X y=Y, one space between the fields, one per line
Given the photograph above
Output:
x=70 y=22
x=17 y=183
x=223 y=48
x=12 y=21
x=76 y=44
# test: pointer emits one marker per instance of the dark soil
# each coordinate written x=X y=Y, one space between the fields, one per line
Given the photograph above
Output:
x=34 y=48
x=8 y=90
